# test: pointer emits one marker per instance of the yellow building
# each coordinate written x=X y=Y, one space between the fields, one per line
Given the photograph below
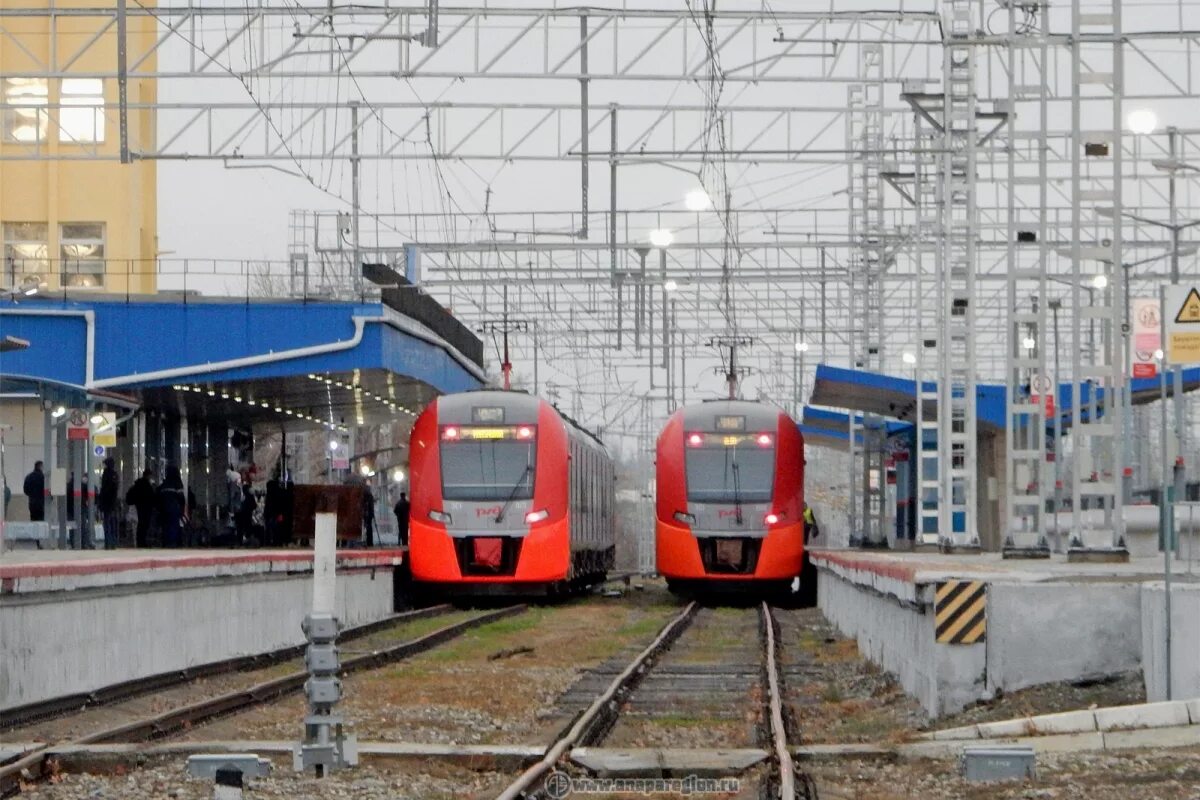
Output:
x=71 y=214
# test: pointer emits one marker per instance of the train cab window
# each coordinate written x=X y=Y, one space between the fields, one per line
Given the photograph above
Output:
x=488 y=469
x=730 y=469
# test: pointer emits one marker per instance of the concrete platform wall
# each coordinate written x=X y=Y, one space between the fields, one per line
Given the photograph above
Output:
x=1049 y=632
x=1185 y=641
x=899 y=636
x=57 y=643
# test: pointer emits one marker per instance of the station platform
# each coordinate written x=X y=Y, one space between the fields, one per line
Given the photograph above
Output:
x=77 y=621
x=957 y=629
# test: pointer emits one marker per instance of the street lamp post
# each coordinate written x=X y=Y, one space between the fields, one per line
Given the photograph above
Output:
x=1056 y=435
x=798 y=377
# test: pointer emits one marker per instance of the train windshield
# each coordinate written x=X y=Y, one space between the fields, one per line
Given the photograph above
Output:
x=730 y=469
x=483 y=468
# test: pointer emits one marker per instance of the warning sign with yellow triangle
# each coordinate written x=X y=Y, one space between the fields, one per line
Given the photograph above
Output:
x=1182 y=323
x=1189 y=312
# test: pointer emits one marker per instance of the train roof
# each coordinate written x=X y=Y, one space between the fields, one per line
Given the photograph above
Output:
x=755 y=412
x=517 y=399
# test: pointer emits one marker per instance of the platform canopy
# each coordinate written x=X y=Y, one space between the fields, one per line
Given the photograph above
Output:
x=327 y=364
x=825 y=428
x=895 y=398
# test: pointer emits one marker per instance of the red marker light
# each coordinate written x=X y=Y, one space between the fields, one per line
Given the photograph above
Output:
x=450 y=433
x=764 y=440
x=695 y=440
x=771 y=519
x=524 y=432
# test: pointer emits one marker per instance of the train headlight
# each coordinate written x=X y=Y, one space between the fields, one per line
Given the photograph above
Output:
x=440 y=516
x=685 y=518
x=772 y=518
x=536 y=516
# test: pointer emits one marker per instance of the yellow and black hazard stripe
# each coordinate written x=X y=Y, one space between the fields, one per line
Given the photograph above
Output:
x=960 y=612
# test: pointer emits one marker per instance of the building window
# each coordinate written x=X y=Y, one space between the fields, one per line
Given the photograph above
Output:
x=26 y=253
x=24 y=115
x=81 y=246
x=81 y=118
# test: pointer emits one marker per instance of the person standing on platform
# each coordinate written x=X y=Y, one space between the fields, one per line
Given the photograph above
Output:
x=401 y=511
x=368 y=514
x=108 y=504
x=172 y=505
x=811 y=529
x=86 y=525
x=141 y=496
x=273 y=512
x=35 y=490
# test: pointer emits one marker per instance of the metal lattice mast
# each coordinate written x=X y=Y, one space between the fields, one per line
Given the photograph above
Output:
x=1097 y=372
x=927 y=258
x=957 y=522
x=1028 y=384
x=865 y=144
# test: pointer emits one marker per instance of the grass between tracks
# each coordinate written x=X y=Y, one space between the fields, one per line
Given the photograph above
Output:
x=495 y=683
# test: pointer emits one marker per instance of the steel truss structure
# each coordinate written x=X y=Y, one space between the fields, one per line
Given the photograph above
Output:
x=924 y=183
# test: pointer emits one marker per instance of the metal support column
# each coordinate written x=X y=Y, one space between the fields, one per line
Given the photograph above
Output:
x=1030 y=390
x=1097 y=73
x=957 y=443
x=927 y=258
x=866 y=144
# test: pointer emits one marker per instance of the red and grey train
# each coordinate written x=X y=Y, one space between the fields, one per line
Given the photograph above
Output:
x=730 y=497
x=507 y=495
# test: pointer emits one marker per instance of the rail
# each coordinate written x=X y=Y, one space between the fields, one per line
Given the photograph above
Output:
x=599 y=713
x=33 y=766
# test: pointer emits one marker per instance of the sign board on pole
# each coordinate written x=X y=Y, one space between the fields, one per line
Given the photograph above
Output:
x=78 y=428
x=1181 y=321
x=1147 y=336
x=1042 y=386
x=104 y=432
x=99 y=451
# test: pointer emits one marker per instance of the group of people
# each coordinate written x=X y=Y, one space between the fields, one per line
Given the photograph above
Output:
x=171 y=505
x=241 y=508
x=168 y=503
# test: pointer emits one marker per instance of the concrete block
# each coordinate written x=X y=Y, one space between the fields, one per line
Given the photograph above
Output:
x=1194 y=711
x=1006 y=729
x=1066 y=722
x=1185 y=736
x=1185 y=640
x=954 y=734
x=1058 y=631
x=1146 y=715
x=610 y=762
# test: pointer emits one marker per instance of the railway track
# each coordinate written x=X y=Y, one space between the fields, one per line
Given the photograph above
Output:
x=703 y=664
x=34 y=765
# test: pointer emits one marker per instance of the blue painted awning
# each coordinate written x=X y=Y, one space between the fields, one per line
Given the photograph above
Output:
x=889 y=396
x=139 y=346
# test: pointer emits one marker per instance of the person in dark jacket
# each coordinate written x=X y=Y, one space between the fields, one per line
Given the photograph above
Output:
x=141 y=496
x=401 y=511
x=108 y=504
x=273 y=512
x=244 y=519
x=368 y=514
x=172 y=506
x=86 y=523
x=35 y=490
